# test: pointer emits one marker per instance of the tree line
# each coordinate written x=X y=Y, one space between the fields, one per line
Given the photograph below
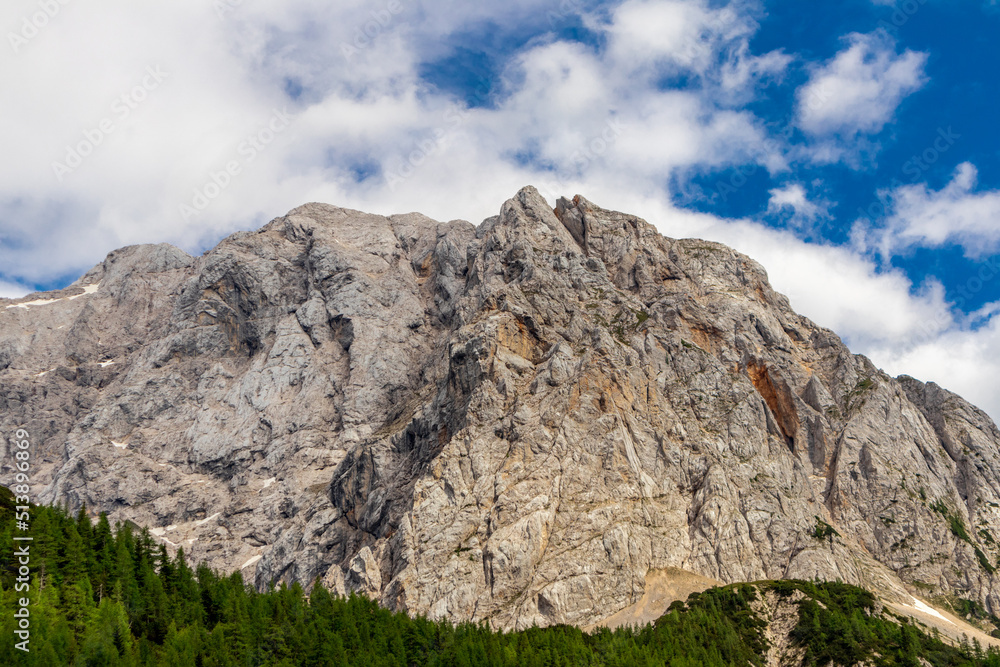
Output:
x=110 y=595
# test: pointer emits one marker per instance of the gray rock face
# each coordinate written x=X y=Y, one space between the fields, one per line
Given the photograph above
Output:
x=515 y=422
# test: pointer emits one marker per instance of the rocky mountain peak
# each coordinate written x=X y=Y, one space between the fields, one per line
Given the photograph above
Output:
x=530 y=421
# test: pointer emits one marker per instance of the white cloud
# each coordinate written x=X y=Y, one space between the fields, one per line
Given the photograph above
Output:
x=10 y=290
x=361 y=106
x=792 y=198
x=956 y=214
x=963 y=360
x=858 y=91
x=658 y=38
x=685 y=34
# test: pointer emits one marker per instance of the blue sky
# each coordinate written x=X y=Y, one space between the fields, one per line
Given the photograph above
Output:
x=850 y=147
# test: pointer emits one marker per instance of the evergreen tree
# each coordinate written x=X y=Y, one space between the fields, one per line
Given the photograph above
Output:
x=151 y=609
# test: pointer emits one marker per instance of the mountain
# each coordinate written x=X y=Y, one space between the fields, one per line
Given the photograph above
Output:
x=523 y=422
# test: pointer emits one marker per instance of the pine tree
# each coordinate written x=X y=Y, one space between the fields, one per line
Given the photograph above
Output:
x=104 y=555
x=77 y=592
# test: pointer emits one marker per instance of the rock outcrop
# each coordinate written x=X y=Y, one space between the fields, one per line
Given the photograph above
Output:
x=514 y=422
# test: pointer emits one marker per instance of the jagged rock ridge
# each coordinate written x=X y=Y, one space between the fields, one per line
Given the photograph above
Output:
x=515 y=422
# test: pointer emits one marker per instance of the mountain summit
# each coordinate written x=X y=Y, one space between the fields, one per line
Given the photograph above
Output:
x=532 y=421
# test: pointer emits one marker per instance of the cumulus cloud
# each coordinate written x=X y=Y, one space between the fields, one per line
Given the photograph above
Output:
x=12 y=290
x=792 y=201
x=963 y=360
x=859 y=90
x=678 y=33
x=660 y=38
x=116 y=156
x=956 y=214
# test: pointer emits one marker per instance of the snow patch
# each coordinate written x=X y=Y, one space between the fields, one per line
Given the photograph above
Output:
x=159 y=533
x=206 y=520
x=89 y=289
x=120 y=445
x=36 y=302
x=251 y=561
x=105 y=364
x=269 y=482
x=44 y=373
x=927 y=609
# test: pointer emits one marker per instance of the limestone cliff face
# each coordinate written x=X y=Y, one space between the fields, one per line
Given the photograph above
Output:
x=515 y=422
